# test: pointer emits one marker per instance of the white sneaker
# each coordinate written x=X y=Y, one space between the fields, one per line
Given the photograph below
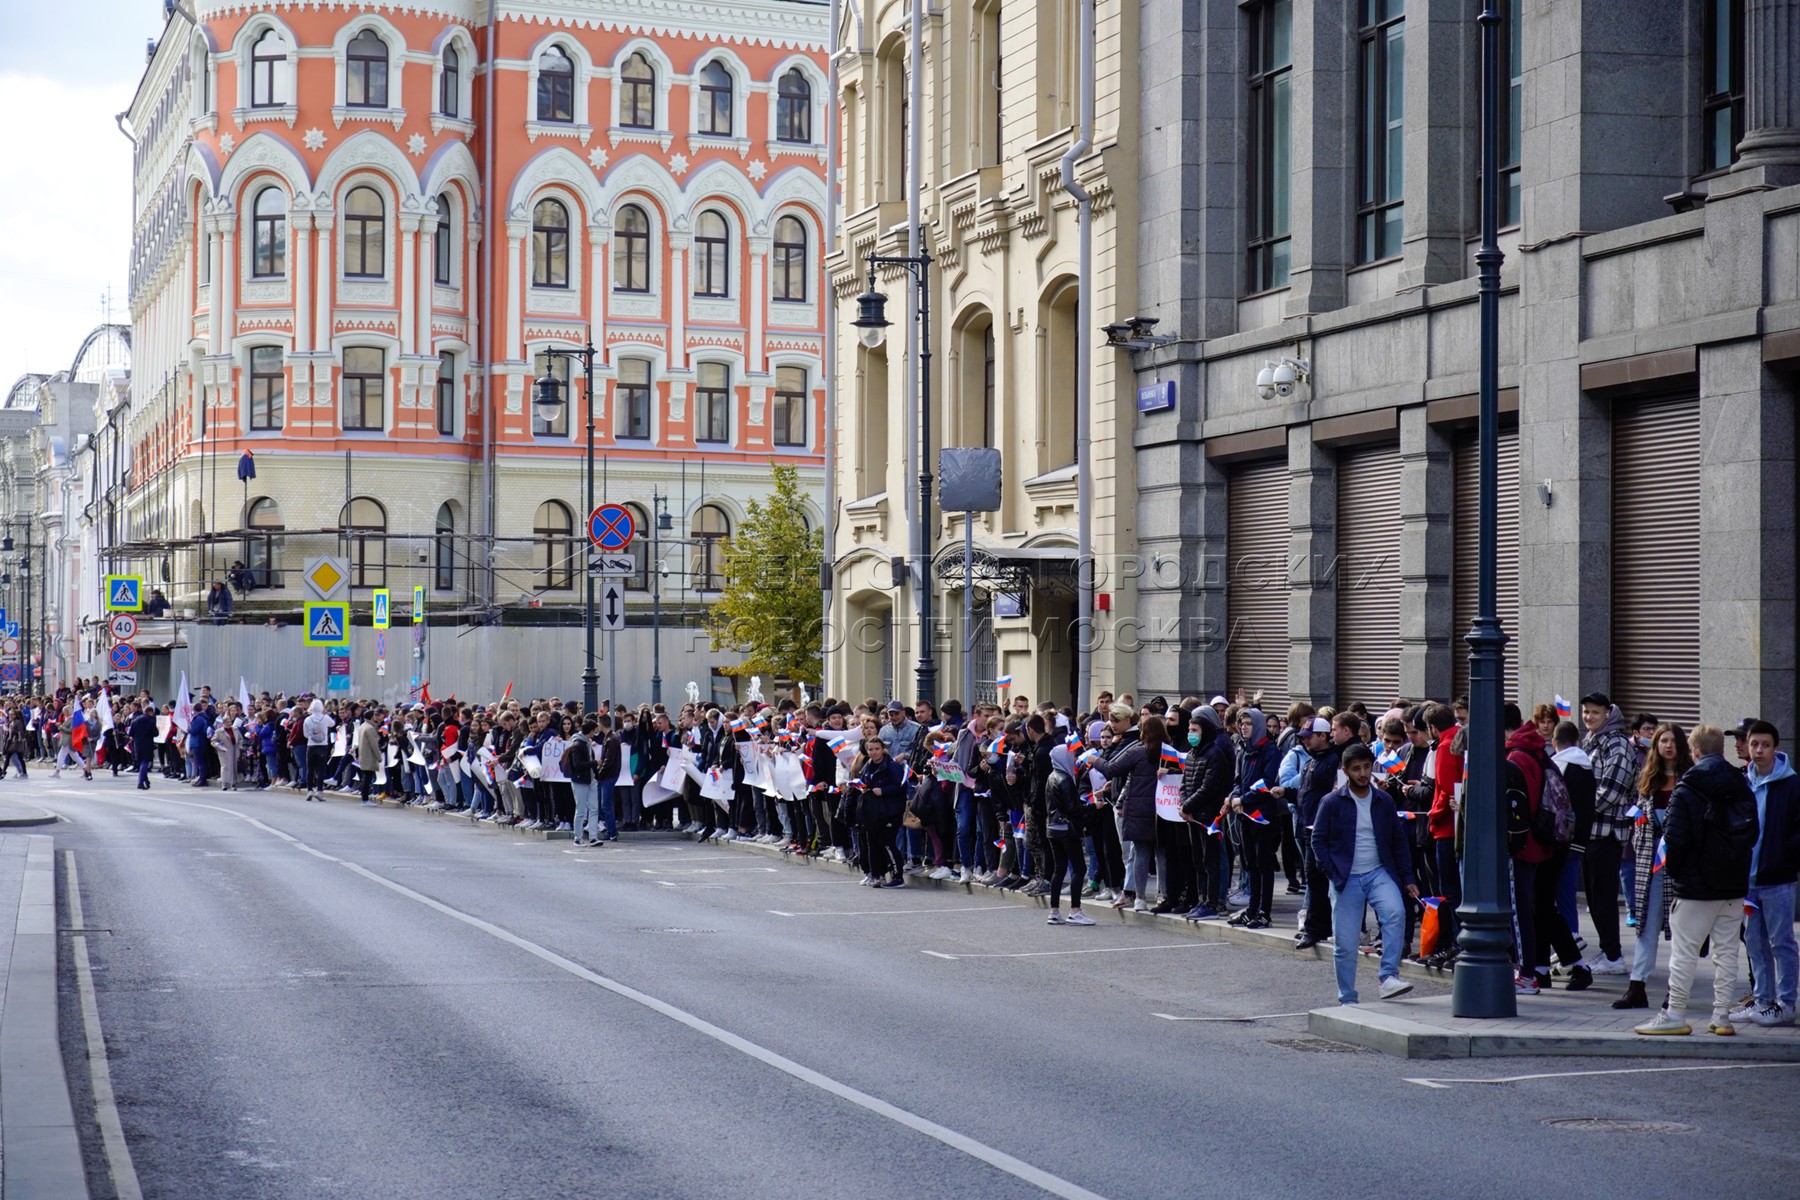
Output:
x=1239 y=899
x=942 y=873
x=564 y=827
x=868 y=881
x=1078 y=918
x=1140 y=906
x=1665 y=1023
x=967 y=876
x=915 y=869
x=1743 y=1013
x=1055 y=918
x=1393 y=986
x=1602 y=965
x=1772 y=1016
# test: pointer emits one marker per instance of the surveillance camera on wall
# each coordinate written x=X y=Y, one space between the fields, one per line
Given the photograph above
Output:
x=1278 y=380
x=1284 y=380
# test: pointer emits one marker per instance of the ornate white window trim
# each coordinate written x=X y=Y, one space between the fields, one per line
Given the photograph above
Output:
x=283 y=112
x=703 y=141
x=740 y=98
x=815 y=78
x=458 y=126
x=646 y=306
x=660 y=138
x=716 y=310
x=561 y=301
x=537 y=129
x=794 y=314
x=374 y=116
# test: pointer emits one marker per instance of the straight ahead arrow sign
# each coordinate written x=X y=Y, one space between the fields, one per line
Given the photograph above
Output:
x=612 y=606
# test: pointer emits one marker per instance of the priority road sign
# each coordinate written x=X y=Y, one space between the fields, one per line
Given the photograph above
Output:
x=325 y=576
x=124 y=593
x=383 y=601
x=612 y=606
x=602 y=565
x=123 y=626
x=327 y=624
x=122 y=657
x=611 y=527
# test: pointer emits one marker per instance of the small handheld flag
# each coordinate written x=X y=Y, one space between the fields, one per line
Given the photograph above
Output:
x=1172 y=756
x=1662 y=855
x=1073 y=741
x=1213 y=828
x=1256 y=816
x=1563 y=707
x=998 y=745
x=1005 y=681
x=1406 y=814
x=1087 y=757
x=1391 y=761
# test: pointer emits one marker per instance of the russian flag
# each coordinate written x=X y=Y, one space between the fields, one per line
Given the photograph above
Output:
x=1172 y=756
x=1564 y=708
x=998 y=745
x=1391 y=762
x=1087 y=757
x=1662 y=854
x=1431 y=901
x=1214 y=828
x=1260 y=786
x=737 y=725
x=1073 y=741
x=1005 y=681
x=1637 y=814
x=1256 y=815
x=1406 y=814
x=78 y=728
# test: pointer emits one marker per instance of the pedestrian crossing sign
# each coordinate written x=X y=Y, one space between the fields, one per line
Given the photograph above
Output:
x=382 y=602
x=124 y=593
x=328 y=624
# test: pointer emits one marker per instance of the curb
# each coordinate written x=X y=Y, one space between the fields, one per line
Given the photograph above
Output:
x=40 y=1152
x=1391 y=1033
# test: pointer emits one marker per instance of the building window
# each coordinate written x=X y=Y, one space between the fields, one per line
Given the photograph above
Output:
x=268 y=236
x=558 y=366
x=712 y=403
x=715 y=100
x=263 y=520
x=1271 y=142
x=631 y=259
x=793 y=108
x=637 y=93
x=1381 y=130
x=364 y=525
x=443 y=549
x=556 y=86
x=789 y=424
x=790 y=259
x=554 y=528
x=450 y=83
x=365 y=387
x=365 y=234
x=268 y=71
x=442 y=248
x=639 y=579
x=712 y=255
x=446 y=395
x=268 y=391
x=366 y=63
x=1722 y=86
x=632 y=399
x=987 y=386
x=711 y=530
x=550 y=245
x=1511 y=111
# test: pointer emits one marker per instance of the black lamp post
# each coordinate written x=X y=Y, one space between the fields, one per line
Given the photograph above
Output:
x=662 y=524
x=6 y=546
x=871 y=320
x=549 y=401
x=1483 y=984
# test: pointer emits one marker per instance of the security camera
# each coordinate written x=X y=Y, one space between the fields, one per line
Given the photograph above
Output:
x=1278 y=380
x=1283 y=377
x=1265 y=381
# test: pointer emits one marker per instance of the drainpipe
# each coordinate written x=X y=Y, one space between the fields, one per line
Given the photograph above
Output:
x=1084 y=321
x=827 y=570
x=914 y=161
x=487 y=316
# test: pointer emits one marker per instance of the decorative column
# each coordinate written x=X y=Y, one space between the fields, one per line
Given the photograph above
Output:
x=517 y=227
x=215 y=322
x=426 y=277
x=599 y=236
x=322 y=219
x=679 y=241
x=225 y=282
x=756 y=356
x=300 y=227
x=472 y=310
x=1771 y=89
x=408 y=283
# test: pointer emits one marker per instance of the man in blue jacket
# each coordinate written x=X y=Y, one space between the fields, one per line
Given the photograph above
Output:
x=1359 y=844
x=1774 y=864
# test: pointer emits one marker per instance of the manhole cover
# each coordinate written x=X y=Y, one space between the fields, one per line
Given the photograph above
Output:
x=679 y=929
x=1616 y=1125
x=1316 y=1045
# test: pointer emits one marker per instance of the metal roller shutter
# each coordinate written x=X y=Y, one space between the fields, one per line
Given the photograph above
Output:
x=1368 y=576
x=1466 y=532
x=1256 y=589
x=1656 y=559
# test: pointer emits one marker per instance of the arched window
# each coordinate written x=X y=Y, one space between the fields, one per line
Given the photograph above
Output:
x=443 y=249
x=268 y=234
x=263 y=522
x=450 y=83
x=637 y=93
x=556 y=86
x=711 y=535
x=639 y=579
x=366 y=71
x=554 y=528
x=443 y=549
x=364 y=525
x=365 y=234
x=715 y=99
x=558 y=366
x=268 y=390
x=631 y=255
x=793 y=108
x=712 y=255
x=268 y=71
x=790 y=259
x=550 y=244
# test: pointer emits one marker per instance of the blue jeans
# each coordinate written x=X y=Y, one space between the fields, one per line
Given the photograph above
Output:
x=585 y=815
x=1769 y=934
x=965 y=829
x=1378 y=889
x=1138 y=858
x=1649 y=932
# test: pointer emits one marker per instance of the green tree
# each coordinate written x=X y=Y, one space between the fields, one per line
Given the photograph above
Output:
x=770 y=608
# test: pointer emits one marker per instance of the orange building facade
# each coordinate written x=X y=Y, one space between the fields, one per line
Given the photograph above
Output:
x=360 y=227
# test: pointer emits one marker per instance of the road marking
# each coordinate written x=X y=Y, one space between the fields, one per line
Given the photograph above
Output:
x=106 y=1105
x=1100 y=950
x=1444 y=1084
x=714 y=871
x=998 y=1159
x=1257 y=1017
x=897 y=912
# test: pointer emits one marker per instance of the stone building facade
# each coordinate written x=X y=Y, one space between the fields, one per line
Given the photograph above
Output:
x=1309 y=193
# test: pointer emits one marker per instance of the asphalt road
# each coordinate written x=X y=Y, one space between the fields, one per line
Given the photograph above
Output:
x=326 y=1000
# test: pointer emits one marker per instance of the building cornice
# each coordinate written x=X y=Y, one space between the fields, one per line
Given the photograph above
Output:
x=779 y=23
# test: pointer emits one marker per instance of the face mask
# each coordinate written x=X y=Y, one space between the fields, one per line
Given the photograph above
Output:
x=1193 y=739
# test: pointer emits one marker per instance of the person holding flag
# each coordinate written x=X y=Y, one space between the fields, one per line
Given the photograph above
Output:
x=1131 y=776
x=1258 y=765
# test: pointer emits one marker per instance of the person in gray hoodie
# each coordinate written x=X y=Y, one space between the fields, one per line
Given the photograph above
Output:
x=1774 y=866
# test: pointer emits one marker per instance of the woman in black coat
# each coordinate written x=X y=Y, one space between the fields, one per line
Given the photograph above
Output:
x=1132 y=774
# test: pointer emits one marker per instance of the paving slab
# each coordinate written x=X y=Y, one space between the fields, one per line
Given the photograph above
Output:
x=14 y=814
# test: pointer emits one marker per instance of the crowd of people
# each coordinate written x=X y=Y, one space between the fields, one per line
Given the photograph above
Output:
x=1355 y=812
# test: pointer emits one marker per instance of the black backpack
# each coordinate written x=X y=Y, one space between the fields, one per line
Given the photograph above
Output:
x=1554 y=822
x=577 y=761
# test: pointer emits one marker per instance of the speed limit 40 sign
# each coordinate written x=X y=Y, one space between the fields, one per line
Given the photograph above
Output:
x=124 y=626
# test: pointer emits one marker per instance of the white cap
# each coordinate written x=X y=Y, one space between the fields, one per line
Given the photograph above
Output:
x=1218 y=700
x=1319 y=725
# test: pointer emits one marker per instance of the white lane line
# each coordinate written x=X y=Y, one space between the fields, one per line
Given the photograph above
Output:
x=998 y=1159
x=106 y=1105
x=1257 y=1017
x=1444 y=1084
x=1100 y=950
x=898 y=912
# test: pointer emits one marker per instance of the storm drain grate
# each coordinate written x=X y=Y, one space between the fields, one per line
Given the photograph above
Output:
x=1616 y=1125
x=1314 y=1045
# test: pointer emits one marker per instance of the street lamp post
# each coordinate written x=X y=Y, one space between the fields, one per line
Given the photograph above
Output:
x=549 y=400
x=6 y=546
x=1483 y=985
x=871 y=321
x=659 y=523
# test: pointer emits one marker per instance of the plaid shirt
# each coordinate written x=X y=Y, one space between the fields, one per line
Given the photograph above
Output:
x=1615 y=783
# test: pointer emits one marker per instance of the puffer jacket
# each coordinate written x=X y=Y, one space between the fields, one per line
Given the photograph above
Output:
x=1206 y=781
x=1134 y=774
x=1711 y=832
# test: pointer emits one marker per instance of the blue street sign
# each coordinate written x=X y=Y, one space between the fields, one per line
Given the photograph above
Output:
x=328 y=624
x=124 y=593
x=611 y=527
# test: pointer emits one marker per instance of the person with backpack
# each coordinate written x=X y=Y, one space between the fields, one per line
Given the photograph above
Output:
x=1541 y=822
x=578 y=763
x=606 y=775
x=1706 y=854
x=1650 y=897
